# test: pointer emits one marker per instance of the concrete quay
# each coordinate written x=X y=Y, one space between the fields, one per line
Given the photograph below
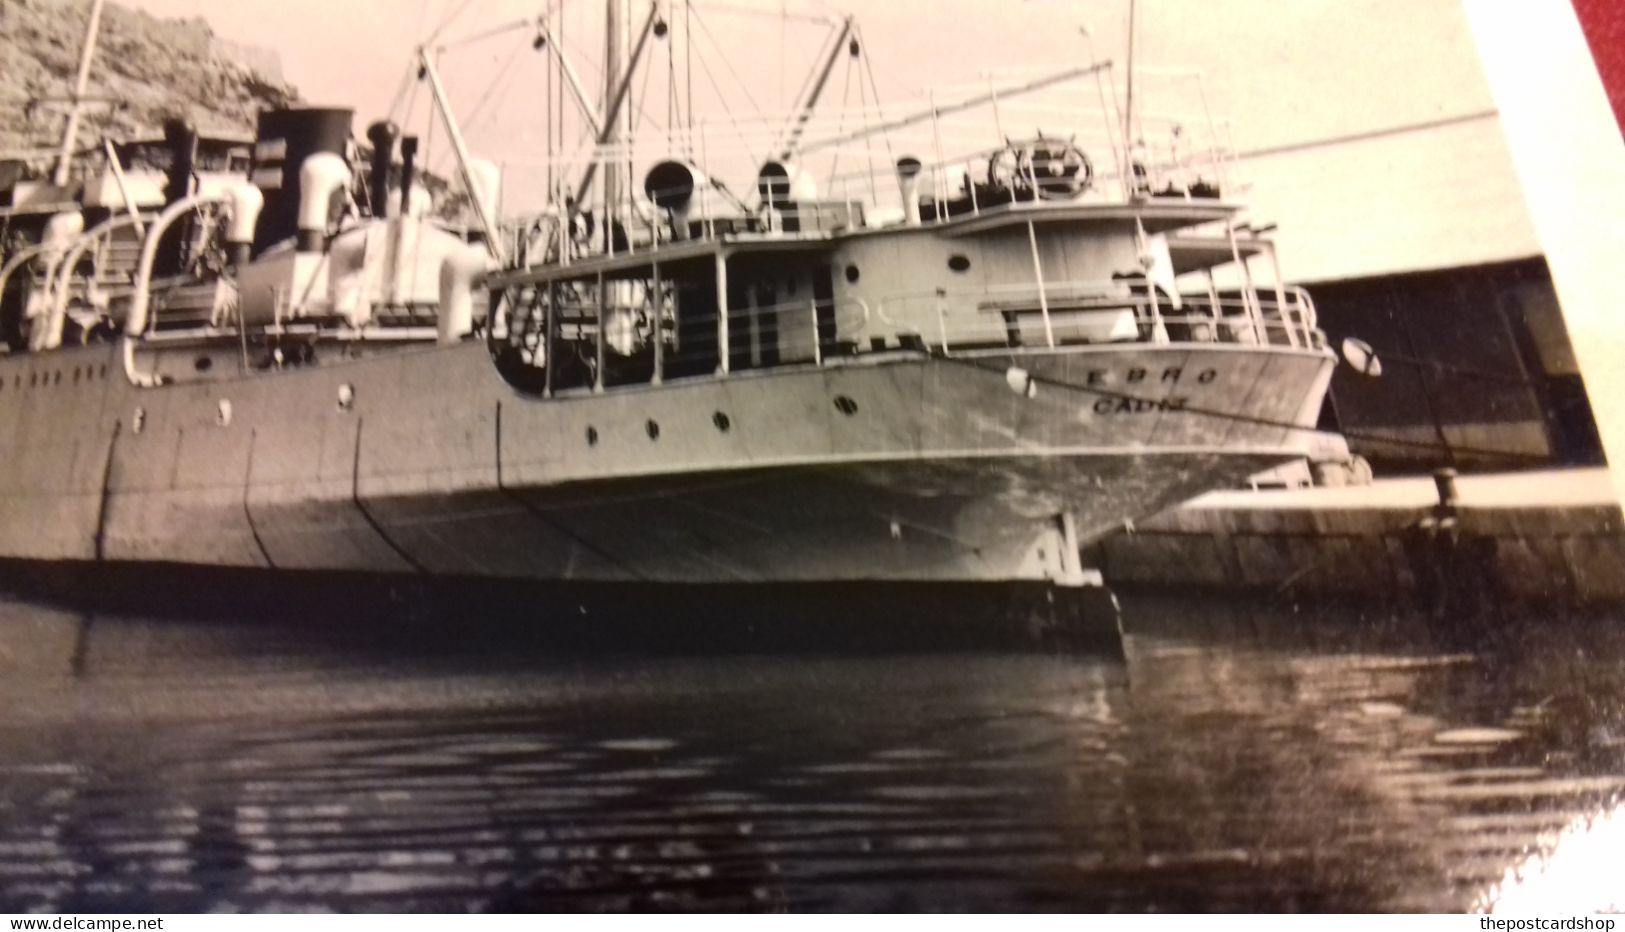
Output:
x=1552 y=537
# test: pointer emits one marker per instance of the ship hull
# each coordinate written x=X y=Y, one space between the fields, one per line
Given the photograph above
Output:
x=905 y=468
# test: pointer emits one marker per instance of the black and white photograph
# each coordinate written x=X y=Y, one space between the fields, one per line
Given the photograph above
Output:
x=717 y=456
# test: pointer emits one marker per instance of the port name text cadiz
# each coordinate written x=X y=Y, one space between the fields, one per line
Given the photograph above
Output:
x=1137 y=376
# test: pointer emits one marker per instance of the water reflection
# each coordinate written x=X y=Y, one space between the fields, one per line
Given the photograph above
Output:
x=1239 y=759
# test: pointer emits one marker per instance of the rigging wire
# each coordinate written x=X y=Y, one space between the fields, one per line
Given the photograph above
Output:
x=643 y=115
x=447 y=21
x=727 y=63
x=547 y=94
x=642 y=118
x=671 y=90
x=423 y=15
x=411 y=98
x=629 y=122
x=504 y=79
x=530 y=23
x=558 y=66
x=1249 y=419
x=784 y=13
x=868 y=67
x=688 y=66
x=728 y=111
x=428 y=136
x=408 y=84
x=868 y=139
x=824 y=51
x=840 y=126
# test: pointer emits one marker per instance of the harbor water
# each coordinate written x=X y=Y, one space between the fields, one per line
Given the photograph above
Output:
x=1259 y=755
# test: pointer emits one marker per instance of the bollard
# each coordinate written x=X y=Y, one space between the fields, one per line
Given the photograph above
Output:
x=1454 y=571
x=1445 y=481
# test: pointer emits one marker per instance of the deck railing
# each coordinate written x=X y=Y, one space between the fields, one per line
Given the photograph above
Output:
x=1071 y=313
x=630 y=343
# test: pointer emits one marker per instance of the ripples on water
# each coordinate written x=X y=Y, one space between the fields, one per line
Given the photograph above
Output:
x=1240 y=759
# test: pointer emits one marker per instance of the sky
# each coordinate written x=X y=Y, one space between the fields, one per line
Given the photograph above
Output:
x=1282 y=72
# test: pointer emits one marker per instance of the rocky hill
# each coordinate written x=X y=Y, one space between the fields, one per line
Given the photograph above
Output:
x=155 y=69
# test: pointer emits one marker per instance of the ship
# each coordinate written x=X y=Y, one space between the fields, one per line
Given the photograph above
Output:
x=281 y=360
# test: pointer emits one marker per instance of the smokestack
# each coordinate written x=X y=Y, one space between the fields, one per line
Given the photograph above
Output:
x=908 y=182
x=182 y=142
x=320 y=177
x=382 y=136
x=409 y=161
x=283 y=141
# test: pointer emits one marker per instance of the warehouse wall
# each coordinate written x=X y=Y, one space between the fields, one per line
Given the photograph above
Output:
x=1477 y=370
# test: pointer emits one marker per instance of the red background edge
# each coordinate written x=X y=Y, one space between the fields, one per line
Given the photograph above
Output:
x=1604 y=24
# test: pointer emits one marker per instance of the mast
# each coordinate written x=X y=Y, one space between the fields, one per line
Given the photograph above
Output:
x=1128 y=109
x=70 y=133
x=612 y=76
x=621 y=90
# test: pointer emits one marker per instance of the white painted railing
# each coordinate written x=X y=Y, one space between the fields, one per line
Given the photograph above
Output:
x=1069 y=313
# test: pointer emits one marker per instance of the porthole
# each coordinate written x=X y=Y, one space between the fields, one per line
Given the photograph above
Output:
x=959 y=263
x=652 y=428
x=722 y=421
x=102 y=373
x=76 y=375
x=852 y=273
x=846 y=405
x=592 y=436
x=203 y=363
x=33 y=379
x=56 y=378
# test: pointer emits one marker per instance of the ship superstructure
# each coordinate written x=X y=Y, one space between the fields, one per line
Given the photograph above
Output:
x=961 y=367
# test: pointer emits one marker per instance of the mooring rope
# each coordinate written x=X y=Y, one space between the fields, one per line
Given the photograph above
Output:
x=1251 y=419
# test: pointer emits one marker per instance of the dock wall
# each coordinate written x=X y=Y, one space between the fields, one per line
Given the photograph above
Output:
x=1566 y=555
